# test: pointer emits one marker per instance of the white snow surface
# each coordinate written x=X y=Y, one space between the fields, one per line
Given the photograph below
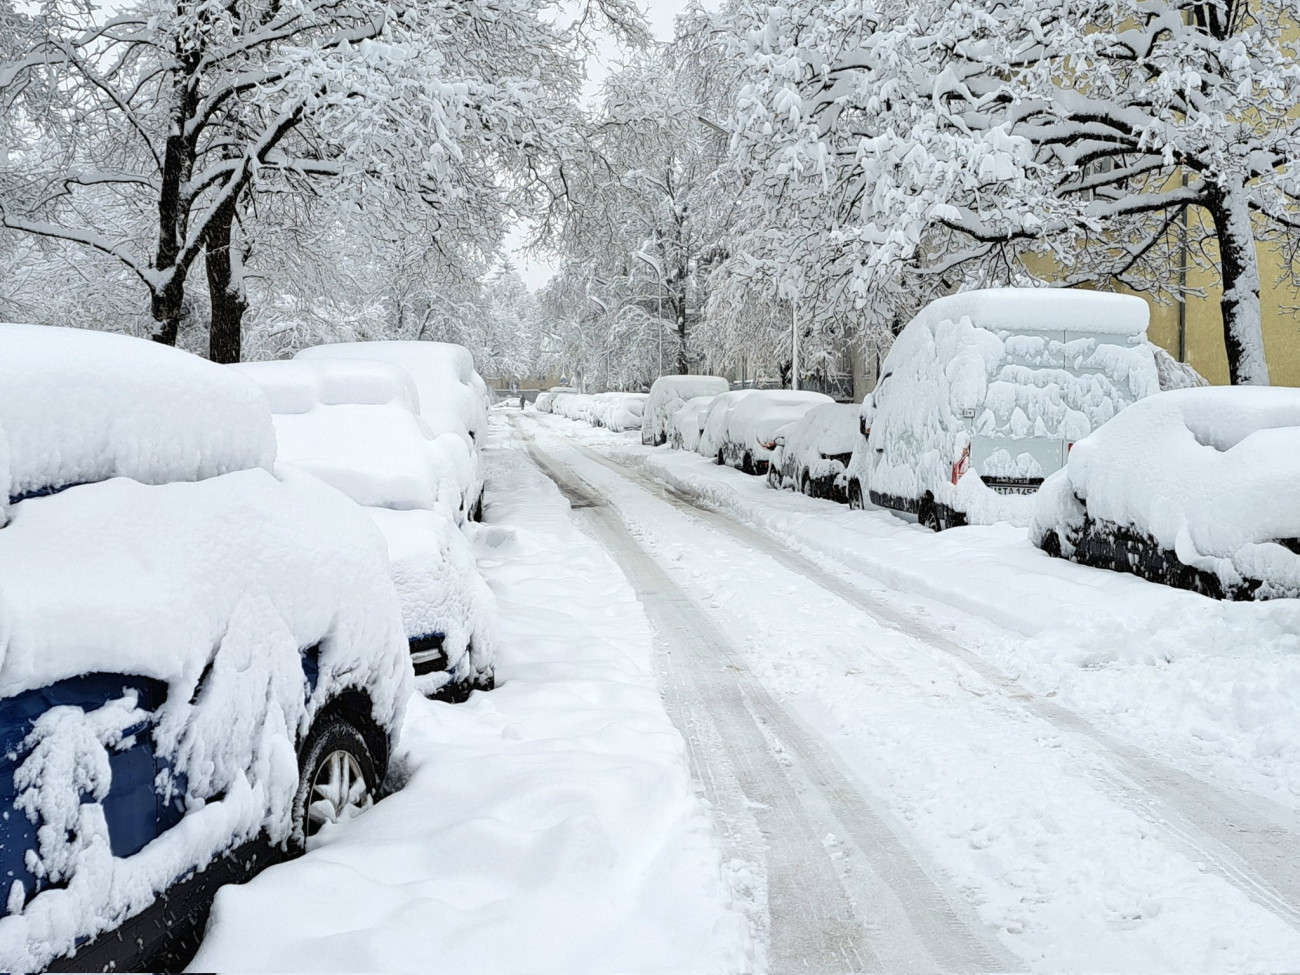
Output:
x=81 y=406
x=300 y=385
x=1211 y=473
x=951 y=379
x=379 y=456
x=1041 y=310
x=549 y=826
x=688 y=423
x=669 y=394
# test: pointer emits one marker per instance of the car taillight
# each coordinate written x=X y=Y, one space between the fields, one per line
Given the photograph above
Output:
x=1068 y=447
x=962 y=465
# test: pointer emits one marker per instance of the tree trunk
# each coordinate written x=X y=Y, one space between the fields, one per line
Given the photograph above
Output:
x=225 y=288
x=1243 y=335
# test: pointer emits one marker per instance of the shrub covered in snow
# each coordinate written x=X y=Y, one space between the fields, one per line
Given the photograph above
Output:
x=78 y=406
x=815 y=451
x=668 y=395
x=1198 y=488
x=983 y=393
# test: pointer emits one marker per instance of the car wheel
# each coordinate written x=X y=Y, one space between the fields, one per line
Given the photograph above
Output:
x=747 y=464
x=1051 y=544
x=774 y=478
x=929 y=517
x=805 y=486
x=855 y=495
x=336 y=779
x=722 y=461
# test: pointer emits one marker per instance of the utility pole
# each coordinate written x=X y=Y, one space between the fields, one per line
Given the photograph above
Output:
x=794 y=345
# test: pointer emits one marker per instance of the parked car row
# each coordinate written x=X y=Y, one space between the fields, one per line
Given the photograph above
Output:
x=1045 y=408
x=214 y=582
x=615 y=411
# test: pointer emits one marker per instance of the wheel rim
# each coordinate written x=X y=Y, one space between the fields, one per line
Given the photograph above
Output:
x=338 y=791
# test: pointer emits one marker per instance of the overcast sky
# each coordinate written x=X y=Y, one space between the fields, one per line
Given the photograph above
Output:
x=660 y=14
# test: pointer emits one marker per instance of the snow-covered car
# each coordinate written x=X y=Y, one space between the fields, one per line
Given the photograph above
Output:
x=668 y=395
x=813 y=453
x=574 y=406
x=1196 y=488
x=350 y=423
x=742 y=433
x=984 y=393
x=618 y=411
x=545 y=401
x=687 y=424
x=453 y=398
x=201 y=662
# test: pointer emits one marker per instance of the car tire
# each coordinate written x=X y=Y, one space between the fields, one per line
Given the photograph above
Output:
x=747 y=464
x=336 y=767
x=722 y=461
x=929 y=517
x=855 y=496
x=805 y=485
x=774 y=478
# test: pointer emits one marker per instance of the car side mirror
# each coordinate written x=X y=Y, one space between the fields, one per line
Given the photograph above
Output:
x=780 y=441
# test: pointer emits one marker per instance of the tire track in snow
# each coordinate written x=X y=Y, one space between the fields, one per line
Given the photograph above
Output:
x=1253 y=845
x=893 y=916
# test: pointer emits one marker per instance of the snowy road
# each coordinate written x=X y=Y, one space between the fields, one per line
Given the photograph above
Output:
x=902 y=802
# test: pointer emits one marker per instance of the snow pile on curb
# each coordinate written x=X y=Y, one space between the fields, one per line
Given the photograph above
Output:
x=547 y=827
x=81 y=406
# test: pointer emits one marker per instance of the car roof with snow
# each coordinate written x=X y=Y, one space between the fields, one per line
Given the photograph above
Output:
x=1041 y=310
x=299 y=385
x=453 y=397
x=81 y=406
x=831 y=428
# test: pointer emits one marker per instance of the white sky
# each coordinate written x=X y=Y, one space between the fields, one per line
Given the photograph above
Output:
x=660 y=14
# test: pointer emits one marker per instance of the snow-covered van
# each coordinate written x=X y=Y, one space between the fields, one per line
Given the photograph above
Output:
x=984 y=393
x=668 y=395
x=353 y=424
x=1197 y=488
x=201 y=661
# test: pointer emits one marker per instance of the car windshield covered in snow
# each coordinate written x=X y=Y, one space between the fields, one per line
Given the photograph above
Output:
x=179 y=631
x=1198 y=488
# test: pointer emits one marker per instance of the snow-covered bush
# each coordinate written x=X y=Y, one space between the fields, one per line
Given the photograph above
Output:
x=1203 y=479
x=667 y=396
x=80 y=406
x=984 y=392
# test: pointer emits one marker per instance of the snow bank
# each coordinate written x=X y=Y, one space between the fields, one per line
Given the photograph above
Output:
x=82 y=406
x=668 y=395
x=1211 y=474
x=547 y=827
x=688 y=423
x=297 y=386
x=996 y=385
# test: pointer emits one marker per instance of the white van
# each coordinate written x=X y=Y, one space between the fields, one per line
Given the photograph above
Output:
x=984 y=393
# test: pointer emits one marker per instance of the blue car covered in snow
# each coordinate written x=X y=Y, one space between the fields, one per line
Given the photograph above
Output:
x=202 y=663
